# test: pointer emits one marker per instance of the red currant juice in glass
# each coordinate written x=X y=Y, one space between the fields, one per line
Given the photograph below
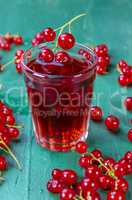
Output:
x=60 y=102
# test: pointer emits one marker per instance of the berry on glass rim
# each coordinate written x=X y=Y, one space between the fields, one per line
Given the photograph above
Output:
x=3 y=163
x=46 y=55
x=49 y=34
x=81 y=147
x=67 y=194
x=112 y=123
x=115 y=195
x=66 y=41
x=62 y=57
x=57 y=174
x=54 y=186
x=128 y=103
x=96 y=113
x=130 y=135
x=69 y=177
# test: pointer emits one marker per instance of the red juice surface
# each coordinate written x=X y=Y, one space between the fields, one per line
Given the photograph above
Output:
x=60 y=102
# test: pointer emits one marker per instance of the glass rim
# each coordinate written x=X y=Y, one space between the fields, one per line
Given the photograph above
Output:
x=55 y=76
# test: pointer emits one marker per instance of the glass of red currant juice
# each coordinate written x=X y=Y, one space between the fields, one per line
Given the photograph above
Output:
x=60 y=94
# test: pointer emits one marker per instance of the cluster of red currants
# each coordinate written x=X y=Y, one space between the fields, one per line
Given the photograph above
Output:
x=111 y=122
x=8 y=133
x=125 y=78
x=103 y=58
x=18 y=56
x=99 y=173
x=7 y=40
x=64 y=40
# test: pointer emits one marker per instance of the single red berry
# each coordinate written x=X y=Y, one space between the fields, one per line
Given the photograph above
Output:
x=57 y=174
x=66 y=41
x=106 y=182
x=85 y=161
x=124 y=80
x=88 y=183
x=3 y=163
x=46 y=55
x=128 y=103
x=35 y=42
x=17 y=40
x=128 y=156
x=5 y=110
x=115 y=195
x=130 y=135
x=39 y=37
x=101 y=70
x=129 y=168
x=67 y=194
x=2 y=119
x=14 y=133
x=101 y=50
x=120 y=169
x=92 y=172
x=121 y=184
x=69 y=177
x=5 y=138
x=97 y=153
x=49 y=34
x=87 y=55
x=96 y=113
x=19 y=68
x=6 y=46
x=122 y=64
x=102 y=62
x=81 y=147
x=19 y=53
x=10 y=120
x=112 y=123
x=8 y=37
x=54 y=186
x=62 y=57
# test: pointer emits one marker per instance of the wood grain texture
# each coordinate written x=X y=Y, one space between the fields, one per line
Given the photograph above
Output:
x=108 y=22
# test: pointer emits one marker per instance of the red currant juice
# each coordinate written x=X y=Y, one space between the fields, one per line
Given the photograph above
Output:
x=60 y=102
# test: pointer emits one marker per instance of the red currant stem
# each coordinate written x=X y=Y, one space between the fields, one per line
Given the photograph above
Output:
x=5 y=65
x=118 y=69
x=15 y=126
x=8 y=151
x=69 y=28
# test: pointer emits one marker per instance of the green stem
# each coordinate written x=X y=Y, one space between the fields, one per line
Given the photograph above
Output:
x=15 y=126
x=5 y=65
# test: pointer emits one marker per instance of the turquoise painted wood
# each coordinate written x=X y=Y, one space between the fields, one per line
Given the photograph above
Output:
x=108 y=22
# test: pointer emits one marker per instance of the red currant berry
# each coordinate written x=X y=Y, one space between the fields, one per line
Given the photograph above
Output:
x=66 y=41
x=2 y=119
x=112 y=123
x=92 y=172
x=85 y=161
x=35 y=42
x=49 y=34
x=8 y=37
x=130 y=135
x=69 y=177
x=46 y=55
x=67 y=194
x=81 y=147
x=87 y=55
x=106 y=182
x=62 y=57
x=57 y=174
x=128 y=156
x=121 y=184
x=97 y=153
x=14 y=133
x=81 y=51
x=120 y=170
x=124 y=80
x=101 y=70
x=54 y=186
x=122 y=64
x=17 y=40
x=88 y=183
x=129 y=168
x=96 y=113
x=107 y=59
x=3 y=163
x=102 y=62
x=39 y=37
x=128 y=103
x=19 y=53
x=101 y=50
x=109 y=162
x=78 y=188
x=115 y=195
x=6 y=46
x=5 y=138
x=5 y=110
x=10 y=120
x=19 y=68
